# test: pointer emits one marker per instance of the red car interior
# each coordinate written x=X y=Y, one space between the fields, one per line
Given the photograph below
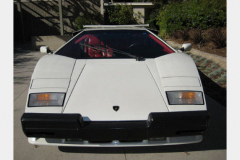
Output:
x=94 y=41
x=166 y=49
x=121 y=44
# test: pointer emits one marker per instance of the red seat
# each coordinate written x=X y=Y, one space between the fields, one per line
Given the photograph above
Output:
x=94 y=41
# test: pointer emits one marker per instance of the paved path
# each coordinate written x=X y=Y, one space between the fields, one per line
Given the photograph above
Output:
x=213 y=146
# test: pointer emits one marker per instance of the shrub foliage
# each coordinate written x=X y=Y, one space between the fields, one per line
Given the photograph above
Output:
x=197 y=36
x=88 y=19
x=185 y=34
x=191 y=14
x=218 y=38
x=120 y=15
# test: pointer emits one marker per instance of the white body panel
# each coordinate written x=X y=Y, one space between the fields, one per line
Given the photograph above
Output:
x=176 y=65
x=50 y=83
x=126 y=83
x=54 y=66
x=78 y=68
x=181 y=82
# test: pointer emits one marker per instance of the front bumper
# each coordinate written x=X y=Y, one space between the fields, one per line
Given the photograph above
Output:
x=116 y=143
x=187 y=127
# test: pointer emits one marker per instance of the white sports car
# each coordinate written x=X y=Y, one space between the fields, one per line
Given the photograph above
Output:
x=115 y=86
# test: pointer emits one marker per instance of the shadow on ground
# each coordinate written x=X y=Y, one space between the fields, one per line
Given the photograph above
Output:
x=24 y=61
x=213 y=90
x=21 y=51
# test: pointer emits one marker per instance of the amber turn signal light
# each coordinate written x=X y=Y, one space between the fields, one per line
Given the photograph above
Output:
x=43 y=97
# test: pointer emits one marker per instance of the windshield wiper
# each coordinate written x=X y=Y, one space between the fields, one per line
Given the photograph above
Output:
x=96 y=48
x=125 y=53
x=104 y=49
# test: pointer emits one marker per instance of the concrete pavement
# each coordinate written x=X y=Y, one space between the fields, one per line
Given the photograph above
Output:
x=213 y=146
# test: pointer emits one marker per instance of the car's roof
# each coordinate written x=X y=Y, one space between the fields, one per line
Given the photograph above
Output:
x=115 y=27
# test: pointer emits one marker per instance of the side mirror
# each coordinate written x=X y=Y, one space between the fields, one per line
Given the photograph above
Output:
x=45 y=49
x=186 y=47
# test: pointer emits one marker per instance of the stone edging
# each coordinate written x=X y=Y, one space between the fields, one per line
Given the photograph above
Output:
x=221 y=61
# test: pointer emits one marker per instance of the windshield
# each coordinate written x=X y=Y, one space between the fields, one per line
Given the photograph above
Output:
x=114 y=44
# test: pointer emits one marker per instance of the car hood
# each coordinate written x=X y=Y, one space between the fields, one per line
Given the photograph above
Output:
x=103 y=84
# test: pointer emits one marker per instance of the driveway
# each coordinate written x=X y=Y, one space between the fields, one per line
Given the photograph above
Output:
x=211 y=148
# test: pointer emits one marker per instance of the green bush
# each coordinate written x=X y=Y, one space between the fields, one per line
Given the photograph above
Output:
x=197 y=36
x=215 y=73
x=175 y=34
x=202 y=58
x=185 y=34
x=220 y=70
x=194 y=57
x=207 y=70
x=120 y=15
x=218 y=38
x=214 y=65
x=212 y=74
x=222 y=79
x=153 y=19
x=191 y=14
x=88 y=19
x=206 y=62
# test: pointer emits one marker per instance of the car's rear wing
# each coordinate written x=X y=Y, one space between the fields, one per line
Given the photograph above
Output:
x=115 y=26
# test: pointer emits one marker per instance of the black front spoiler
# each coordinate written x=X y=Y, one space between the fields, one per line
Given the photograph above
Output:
x=67 y=126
